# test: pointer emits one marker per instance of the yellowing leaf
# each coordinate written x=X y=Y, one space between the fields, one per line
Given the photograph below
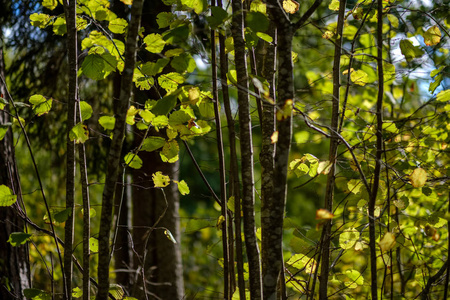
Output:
x=387 y=242
x=418 y=178
x=443 y=96
x=286 y=111
x=324 y=167
x=133 y=160
x=160 y=180
x=290 y=6
x=327 y=35
x=274 y=137
x=359 y=77
x=432 y=36
x=432 y=232
x=323 y=214
x=334 y=5
x=127 y=2
x=183 y=188
x=348 y=238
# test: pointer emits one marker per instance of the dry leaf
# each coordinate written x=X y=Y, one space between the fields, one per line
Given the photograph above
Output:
x=291 y=6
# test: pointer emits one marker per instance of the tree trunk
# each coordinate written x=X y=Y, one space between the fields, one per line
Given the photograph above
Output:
x=14 y=261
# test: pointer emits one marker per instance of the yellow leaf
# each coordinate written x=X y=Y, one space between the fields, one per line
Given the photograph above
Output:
x=274 y=137
x=327 y=35
x=127 y=2
x=160 y=180
x=291 y=6
x=286 y=111
x=387 y=242
x=220 y=220
x=432 y=36
x=418 y=178
x=323 y=214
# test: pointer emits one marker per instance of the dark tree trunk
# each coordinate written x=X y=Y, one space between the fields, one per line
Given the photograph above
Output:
x=14 y=263
x=160 y=257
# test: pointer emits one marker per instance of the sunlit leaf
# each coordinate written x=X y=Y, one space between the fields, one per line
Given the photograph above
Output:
x=348 y=238
x=118 y=25
x=93 y=245
x=7 y=198
x=274 y=137
x=443 y=96
x=59 y=26
x=183 y=188
x=324 y=167
x=387 y=242
x=334 y=5
x=50 y=4
x=18 y=238
x=164 y=19
x=286 y=111
x=409 y=50
x=359 y=77
x=107 y=122
x=170 y=81
x=153 y=143
x=77 y=292
x=323 y=214
x=291 y=6
x=86 y=110
x=133 y=160
x=40 y=104
x=418 y=178
x=169 y=153
x=116 y=291
x=154 y=43
x=301 y=261
x=127 y=2
x=432 y=36
x=160 y=180
x=79 y=133
x=197 y=5
x=40 y=20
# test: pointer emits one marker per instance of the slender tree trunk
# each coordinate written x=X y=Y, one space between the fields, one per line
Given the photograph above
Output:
x=234 y=183
x=70 y=12
x=114 y=155
x=378 y=155
x=221 y=153
x=246 y=152
x=334 y=143
x=14 y=261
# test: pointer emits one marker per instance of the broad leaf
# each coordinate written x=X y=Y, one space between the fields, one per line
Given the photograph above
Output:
x=7 y=198
x=153 y=143
x=118 y=25
x=160 y=180
x=79 y=133
x=18 y=238
x=154 y=43
x=40 y=104
x=133 y=160
x=107 y=122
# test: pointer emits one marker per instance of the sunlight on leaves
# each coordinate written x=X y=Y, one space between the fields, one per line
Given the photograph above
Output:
x=291 y=6
x=160 y=180
x=79 y=133
x=7 y=198
x=183 y=188
x=387 y=242
x=323 y=214
x=169 y=235
x=418 y=178
x=107 y=122
x=40 y=104
x=133 y=160
x=432 y=36
x=18 y=238
x=359 y=77
x=348 y=238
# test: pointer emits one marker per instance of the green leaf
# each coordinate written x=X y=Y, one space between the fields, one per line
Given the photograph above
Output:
x=107 y=122
x=79 y=133
x=173 y=52
x=256 y=21
x=232 y=77
x=160 y=122
x=4 y=129
x=183 y=63
x=170 y=151
x=77 y=292
x=183 y=188
x=141 y=81
x=40 y=104
x=437 y=82
x=165 y=105
x=153 y=68
x=154 y=43
x=355 y=277
x=40 y=20
x=50 y=4
x=409 y=51
x=179 y=118
x=86 y=110
x=432 y=36
x=59 y=26
x=62 y=215
x=388 y=73
x=265 y=37
x=197 y=5
x=160 y=180
x=7 y=198
x=393 y=19
x=36 y=294
x=93 y=245
x=359 y=77
x=443 y=96
x=170 y=81
x=18 y=238
x=218 y=15
x=348 y=238
x=133 y=160
x=164 y=19
x=153 y=143
x=116 y=291
x=334 y=5
x=146 y=115
x=300 y=261
x=93 y=66
x=118 y=25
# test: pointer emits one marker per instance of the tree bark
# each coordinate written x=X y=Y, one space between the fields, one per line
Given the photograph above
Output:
x=248 y=183
x=334 y=143
x=14 y=261
x=70 y=13
x=114 y=155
